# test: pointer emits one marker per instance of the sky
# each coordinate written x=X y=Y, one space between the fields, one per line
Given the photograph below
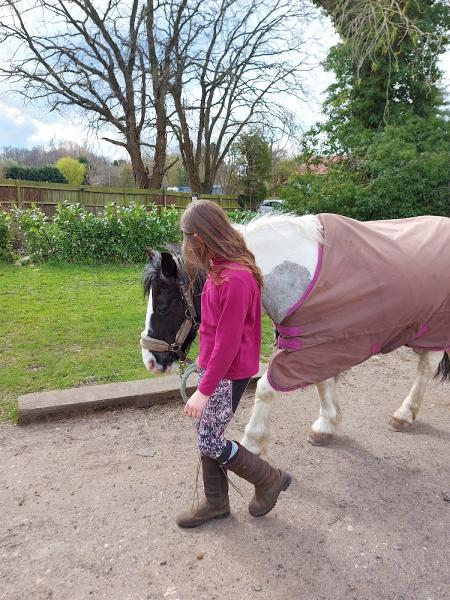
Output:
x=27 y=125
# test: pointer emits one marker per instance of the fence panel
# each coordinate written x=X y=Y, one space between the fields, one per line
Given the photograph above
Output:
x=94 y=198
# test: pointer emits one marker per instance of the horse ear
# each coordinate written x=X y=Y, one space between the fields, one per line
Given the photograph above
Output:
x=168 y=265
x=150 y=253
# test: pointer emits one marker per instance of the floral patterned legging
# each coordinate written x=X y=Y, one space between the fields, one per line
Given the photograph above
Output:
x=217 y=415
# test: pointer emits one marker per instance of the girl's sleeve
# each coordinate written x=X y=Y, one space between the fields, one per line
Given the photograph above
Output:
x=235 y=298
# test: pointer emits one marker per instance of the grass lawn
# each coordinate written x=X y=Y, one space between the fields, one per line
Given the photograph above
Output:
x=68 y=325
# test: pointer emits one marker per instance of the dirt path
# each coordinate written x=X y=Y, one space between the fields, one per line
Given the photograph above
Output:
x=87 y=506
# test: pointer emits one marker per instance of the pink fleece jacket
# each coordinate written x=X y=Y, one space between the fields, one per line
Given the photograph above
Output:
x=230 y=330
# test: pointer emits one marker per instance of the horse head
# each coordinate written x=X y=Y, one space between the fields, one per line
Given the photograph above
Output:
x=173 y=311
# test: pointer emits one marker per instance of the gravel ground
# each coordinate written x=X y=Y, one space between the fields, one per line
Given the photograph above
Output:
x=87 y=505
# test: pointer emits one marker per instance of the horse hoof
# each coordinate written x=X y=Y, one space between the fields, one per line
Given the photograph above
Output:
x=396 y=424
x=319 y=439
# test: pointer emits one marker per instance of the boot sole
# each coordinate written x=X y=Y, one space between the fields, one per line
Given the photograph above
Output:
x=284 y=486
x=192 y=525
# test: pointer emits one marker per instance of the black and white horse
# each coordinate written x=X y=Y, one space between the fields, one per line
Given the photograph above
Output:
x=287 y=251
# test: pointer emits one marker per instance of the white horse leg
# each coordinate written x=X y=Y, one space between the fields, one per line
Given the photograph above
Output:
x=402 y=419
x=324 y=427
x=257 y=435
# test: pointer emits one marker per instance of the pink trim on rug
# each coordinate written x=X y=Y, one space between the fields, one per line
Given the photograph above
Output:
x=288 y=331
x=282 y=389
x=446 y=349
x=421 y=331
x=310 y=286
x=289 y=344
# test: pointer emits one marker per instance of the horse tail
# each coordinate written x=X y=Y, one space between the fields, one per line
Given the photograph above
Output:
x=443 y=371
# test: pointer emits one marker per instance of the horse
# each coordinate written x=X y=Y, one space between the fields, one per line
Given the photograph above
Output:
x=298 y=257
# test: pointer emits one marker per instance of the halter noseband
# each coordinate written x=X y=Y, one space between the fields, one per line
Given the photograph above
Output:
x=191 y=321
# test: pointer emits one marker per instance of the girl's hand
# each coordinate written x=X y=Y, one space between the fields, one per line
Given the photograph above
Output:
x=196 y=405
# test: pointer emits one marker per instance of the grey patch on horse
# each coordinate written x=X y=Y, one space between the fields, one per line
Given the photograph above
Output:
x=283 y=286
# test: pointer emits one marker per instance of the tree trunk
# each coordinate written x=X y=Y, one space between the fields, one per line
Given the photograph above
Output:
x=209 y=172
x=192 y=168
x=159 y=159
x=140 y=171
x=193 y=176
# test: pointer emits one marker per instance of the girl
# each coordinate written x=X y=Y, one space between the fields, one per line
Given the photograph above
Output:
x=230 y=342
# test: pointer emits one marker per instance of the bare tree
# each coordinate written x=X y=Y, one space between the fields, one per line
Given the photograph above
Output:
x=235 y=62
x=206 y=68
x=92 y=56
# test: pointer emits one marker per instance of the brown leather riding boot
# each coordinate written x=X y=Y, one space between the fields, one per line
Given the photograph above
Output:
x=268 y=481
x=216 y=504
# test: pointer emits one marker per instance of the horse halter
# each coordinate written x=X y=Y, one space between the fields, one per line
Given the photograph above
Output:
x=189 y=323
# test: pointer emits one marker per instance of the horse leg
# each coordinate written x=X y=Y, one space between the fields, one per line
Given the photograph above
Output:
x=324 y=427
x=257 y=435
x=403 y=417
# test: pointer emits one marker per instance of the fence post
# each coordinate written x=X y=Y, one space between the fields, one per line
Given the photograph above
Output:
x=19 y=196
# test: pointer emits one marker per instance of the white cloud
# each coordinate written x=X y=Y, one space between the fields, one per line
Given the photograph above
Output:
x=12 y=113
x=20 y=126
x=46 y=132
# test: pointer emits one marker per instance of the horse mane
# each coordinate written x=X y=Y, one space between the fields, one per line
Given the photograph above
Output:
x=153 y=268
x=309 y=225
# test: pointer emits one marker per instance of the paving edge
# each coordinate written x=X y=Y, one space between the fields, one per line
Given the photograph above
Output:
x=129 y=394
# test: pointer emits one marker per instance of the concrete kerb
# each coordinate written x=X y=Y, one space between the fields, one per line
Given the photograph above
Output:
x=83 y=400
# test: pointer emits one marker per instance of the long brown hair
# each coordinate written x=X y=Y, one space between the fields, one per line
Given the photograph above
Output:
x=207 y=234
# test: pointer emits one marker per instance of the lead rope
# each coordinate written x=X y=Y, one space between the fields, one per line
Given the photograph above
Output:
x=195 y=496
x=233 y=485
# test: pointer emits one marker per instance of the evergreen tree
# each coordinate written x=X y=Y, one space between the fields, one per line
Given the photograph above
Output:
x=390 y=84
x=386 y=121
x=253 y=159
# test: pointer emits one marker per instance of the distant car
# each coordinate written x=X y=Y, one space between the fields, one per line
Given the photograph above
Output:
x=173 y=189
x=270 y=205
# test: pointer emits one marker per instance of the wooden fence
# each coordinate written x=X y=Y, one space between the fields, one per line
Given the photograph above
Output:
x=23 y=194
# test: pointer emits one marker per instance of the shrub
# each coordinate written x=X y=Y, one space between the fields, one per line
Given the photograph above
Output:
x=241 y=216
x=32 y=233
x=400 y=171
x=121 y=234
x=50 y=174
x=5 y=236
x=73 y=170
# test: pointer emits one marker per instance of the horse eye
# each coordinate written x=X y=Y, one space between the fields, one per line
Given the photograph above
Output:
x=162 y=308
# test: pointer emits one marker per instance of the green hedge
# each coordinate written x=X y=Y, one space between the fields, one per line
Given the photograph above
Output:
x=241 y=216
x=120 y=235
x=49 y=174
x=5 y=237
